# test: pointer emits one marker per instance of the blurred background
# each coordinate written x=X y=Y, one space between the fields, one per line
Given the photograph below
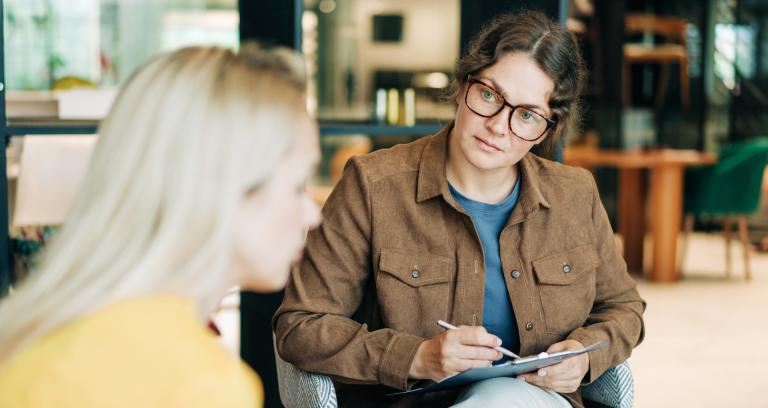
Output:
x=674 y=130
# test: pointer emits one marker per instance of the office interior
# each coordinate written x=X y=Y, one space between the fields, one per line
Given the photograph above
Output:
x=674 y=131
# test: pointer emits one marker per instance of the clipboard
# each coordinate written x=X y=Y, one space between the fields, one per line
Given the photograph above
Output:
x=507 y=369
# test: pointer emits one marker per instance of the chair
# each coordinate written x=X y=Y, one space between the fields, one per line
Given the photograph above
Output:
x=301 y=389
x=353 y=146
x=727 y=189
x=50 y=172
x=674 y=51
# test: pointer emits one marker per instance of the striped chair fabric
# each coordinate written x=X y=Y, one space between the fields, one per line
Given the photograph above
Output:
x=301 y=389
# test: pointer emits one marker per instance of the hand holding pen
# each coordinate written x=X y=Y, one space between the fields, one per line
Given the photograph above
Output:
x=500 y=349
x=454 y=351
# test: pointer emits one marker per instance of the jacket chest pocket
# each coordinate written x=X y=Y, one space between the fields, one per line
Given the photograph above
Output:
x=414 y=291
x=566 y=284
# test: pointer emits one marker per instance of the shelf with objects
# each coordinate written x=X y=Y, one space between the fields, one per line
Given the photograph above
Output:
x=377 y=74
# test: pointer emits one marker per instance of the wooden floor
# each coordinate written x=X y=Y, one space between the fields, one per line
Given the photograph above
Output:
x=706 y=342
x=707 y=338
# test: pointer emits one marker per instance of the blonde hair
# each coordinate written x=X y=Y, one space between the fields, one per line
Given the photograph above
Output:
x=190 y=133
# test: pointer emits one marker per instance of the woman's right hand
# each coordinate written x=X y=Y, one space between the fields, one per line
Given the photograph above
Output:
x=454 y=351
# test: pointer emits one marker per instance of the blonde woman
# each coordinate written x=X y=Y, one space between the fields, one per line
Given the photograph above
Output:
x=197 y=184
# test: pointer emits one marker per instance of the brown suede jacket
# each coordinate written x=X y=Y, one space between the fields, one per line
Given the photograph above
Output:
x=396 y=252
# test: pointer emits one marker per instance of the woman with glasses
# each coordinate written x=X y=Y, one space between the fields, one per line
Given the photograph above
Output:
x=196 y=186
x=468 y=227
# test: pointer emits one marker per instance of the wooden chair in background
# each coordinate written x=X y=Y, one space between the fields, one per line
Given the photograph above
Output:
x=356 y=146
x=51 y=170
x=353 y=146
x=674 y=51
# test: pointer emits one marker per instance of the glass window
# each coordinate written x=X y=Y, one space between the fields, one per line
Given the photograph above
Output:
x=62 y=45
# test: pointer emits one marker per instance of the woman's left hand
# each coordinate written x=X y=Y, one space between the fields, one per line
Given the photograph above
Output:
x=565 y=376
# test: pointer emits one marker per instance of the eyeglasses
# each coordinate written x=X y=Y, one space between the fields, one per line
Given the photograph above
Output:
x=485 y=101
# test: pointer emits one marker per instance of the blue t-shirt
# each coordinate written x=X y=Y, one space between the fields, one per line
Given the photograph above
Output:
x=489 y=220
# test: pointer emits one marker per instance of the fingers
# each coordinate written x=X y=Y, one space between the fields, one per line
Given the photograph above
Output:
x=557 y=384
x=460 y=360
x=454 y=351
x=456 y=365
x=453 y=348
x=467 y=347
x=471 y=343
x=447 y=354
x=476 y=353
x=475 y=336
x=557 y=347
x=566 y=369
x=564 y=345
x=563 y=386
x=564 y=376
x=560 y=369
x=554 y=373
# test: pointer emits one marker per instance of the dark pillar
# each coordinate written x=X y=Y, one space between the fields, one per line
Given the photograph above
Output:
x=256 y=344
x=272 y=23
x=706 y=37
x=607 y=110
x=5 y=251
x=609 y=15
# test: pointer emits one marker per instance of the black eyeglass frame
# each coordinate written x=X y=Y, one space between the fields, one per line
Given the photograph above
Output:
x=472 y=81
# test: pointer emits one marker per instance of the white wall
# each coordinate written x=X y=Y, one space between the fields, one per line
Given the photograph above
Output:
x=430 y=38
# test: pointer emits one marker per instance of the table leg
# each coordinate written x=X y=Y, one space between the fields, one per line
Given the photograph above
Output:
x=632 y=217
x=666 y=216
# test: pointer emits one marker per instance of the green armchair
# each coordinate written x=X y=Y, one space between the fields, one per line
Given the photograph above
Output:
x=730 y=188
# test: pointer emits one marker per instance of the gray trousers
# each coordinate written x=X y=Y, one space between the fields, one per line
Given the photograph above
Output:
x=509 y=393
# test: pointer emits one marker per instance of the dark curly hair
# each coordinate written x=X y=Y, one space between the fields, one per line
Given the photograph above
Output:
x=552 y=47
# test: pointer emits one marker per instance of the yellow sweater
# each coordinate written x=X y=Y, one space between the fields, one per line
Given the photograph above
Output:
x=149 y=352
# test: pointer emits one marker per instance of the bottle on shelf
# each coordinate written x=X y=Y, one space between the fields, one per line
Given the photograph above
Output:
x=409 y=107
x=393 y=106
x=380 y=111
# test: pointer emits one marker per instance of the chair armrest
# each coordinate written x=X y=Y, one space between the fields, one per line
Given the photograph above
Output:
x=615 y=388
x=302 y=389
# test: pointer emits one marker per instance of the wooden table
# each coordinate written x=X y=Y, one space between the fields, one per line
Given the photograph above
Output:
x=664 y=204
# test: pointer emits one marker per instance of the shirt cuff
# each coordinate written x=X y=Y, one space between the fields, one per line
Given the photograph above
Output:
x=598 y=359
x=397 y=359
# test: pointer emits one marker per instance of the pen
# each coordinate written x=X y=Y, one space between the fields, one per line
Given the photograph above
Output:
x=500 y=349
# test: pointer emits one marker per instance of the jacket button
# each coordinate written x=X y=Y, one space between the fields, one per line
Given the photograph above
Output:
x=529 y=326
x=566 y=268
x=415 y=273
x=515 y=274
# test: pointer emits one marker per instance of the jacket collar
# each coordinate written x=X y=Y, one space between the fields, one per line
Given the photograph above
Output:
x=432 y=180
x=531 y=197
